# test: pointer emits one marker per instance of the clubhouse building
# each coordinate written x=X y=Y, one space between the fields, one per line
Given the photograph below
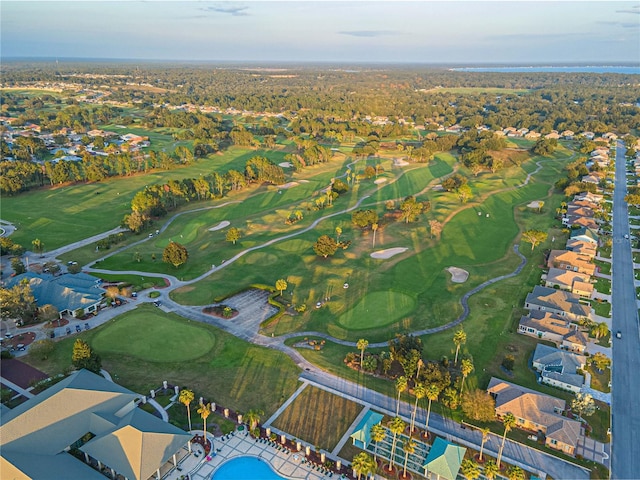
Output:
x=87 y=427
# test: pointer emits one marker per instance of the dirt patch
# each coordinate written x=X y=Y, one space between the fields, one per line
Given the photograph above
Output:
x=220 y=226
x=458 y=275
x=288 y=185
x=388 y=253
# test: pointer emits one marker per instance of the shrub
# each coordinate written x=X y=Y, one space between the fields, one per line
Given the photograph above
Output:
x=508 y=362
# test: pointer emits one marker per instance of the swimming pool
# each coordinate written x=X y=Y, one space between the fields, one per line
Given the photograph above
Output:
x=246 y=468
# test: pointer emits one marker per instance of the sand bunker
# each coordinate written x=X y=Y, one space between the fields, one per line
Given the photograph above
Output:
x=220 y=226
x=285 y=165
x=458 y=275
x=380 y=180
x=535 y=204
x=288 y=185
x=399 y=162
x=388 y=253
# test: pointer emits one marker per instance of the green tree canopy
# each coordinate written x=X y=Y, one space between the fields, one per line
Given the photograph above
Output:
x=233 y=235
x=325 y=246
x=534 y=237
x=83 y=356
x=175 y=254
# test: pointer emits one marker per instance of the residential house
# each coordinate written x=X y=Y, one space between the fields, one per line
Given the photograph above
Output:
x=559 y=368
x=536 y=412
x=591 y=178
x=554 y=328
x=591 y=197
x=588 y=135
x=586 y=234
x=553 y=135
x=444 y=460
x=560 y=302
x=69 y=293
x=581 y=222
x=99 y=418
x=568 y=134
x=583 y=248
x=564 y=279
x=582 y=289
x=531 y=135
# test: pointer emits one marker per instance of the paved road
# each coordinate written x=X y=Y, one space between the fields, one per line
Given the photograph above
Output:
x=625 y=461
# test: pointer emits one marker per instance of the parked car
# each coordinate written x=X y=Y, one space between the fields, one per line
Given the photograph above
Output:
x=618 y=334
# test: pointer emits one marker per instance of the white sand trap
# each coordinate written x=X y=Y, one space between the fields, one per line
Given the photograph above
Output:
x=400 y=163
x=303 y=181
x=535 y=204
x=285 y=165
x=380 y=180
x=220 y=226
x=458 y=275
x=288 y=185
x=388 y=253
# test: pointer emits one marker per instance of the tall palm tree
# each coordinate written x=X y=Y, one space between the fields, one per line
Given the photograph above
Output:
x=459 y=338
x=509 y=421
x=253 y=418
x=205 y=410
x=491 y=469
x=401 y=386
x=374 y=228
x=362 y=346
x=362 y=464
x=38 y=246
x=409 y=448
x=470 y=469
x=186 y=397
x=432 y=394
x=377 y=434
x=419 y=391
x=397 y=426
x=485 y=436
x=466 y=367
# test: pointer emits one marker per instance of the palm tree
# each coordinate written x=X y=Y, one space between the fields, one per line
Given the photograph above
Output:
x=253 y=418
x=470 y=469
x=401 y=386
x=338 y=233
x=362 y=345
x=186 y=397
x=485 y=435
x=281 y=284
x=374 y=228
x=509 y=421
x=515 y=473
x=459 y=338
x=205 y=410
x=491 y=469
x=600 y=330
x=362 y=463
x=432 y=394
x=397 y=426
x=409 y=448
x=419 y=391
x=38 y=246
x=377 y=434
x=466 y=368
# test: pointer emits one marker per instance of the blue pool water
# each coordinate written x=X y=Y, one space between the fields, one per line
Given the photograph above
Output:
x=246 y=468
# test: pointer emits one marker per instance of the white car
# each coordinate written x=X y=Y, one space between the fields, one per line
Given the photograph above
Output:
x=626 y=236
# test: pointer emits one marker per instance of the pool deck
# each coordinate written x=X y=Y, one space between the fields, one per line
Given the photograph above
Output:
x=289 y=465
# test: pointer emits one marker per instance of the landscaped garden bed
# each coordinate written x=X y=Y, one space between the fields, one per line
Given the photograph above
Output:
x=221 y=311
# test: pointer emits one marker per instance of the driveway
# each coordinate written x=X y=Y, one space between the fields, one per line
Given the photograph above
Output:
x=591 y=449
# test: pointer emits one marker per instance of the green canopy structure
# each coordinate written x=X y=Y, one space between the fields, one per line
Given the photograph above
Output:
x=362 y=434
x=444 y=460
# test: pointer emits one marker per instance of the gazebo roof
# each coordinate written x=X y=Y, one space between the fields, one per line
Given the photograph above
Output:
x=362 y=432
x=444 y=459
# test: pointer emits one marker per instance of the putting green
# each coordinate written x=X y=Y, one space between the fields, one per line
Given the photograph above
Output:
x=377 y=309
x=154 y=337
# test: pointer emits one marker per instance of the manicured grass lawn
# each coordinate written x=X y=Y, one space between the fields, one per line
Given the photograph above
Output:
x=318 y=417
x=603 y=285
x=138 y=282
x=365 y=314
x=233 y=373
x=603 y=267
x=153 y=337
x=601 y=308
x=600 y=380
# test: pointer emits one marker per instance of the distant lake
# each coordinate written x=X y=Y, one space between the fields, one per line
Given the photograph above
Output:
x=584 y=69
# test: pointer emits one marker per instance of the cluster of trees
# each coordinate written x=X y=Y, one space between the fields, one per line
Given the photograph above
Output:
x=458 y=184
x=545 y=146
x=84 y=356
x=157 y=200
x=475 y=150
x=18 y=303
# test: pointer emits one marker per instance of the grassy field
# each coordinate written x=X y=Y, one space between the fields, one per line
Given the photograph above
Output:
x=139 y=350
x=318 y=417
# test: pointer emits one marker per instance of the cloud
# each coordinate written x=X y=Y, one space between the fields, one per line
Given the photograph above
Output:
x=634 y=9
x=535 y=36
x=234 y=11
x=369 y=33
x=620 y=24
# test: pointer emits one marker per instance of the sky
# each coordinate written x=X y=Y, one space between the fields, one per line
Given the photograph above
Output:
x=451 y=32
